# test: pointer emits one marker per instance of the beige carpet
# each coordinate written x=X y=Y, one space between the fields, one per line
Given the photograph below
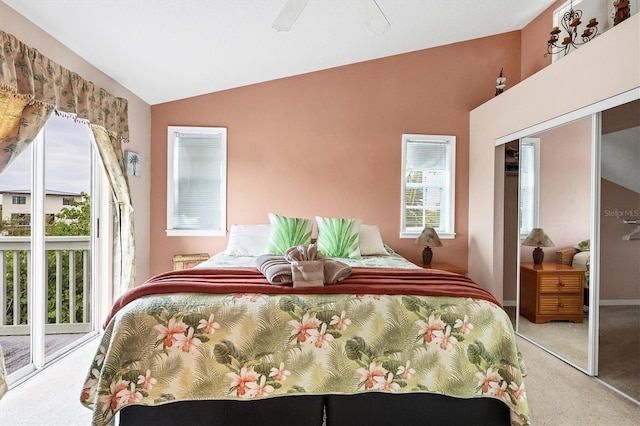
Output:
x=559 y=395
x=619 y=348
x=569 y=340
x=619 y=356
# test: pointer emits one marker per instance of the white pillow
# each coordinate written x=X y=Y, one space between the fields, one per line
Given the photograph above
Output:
x=371 y=241
x=248 y=240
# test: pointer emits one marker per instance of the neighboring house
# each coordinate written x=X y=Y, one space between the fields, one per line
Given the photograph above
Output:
x=16 y=204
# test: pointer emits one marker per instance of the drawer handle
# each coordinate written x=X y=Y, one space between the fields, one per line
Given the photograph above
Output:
x=561 y=305
x=560 y=283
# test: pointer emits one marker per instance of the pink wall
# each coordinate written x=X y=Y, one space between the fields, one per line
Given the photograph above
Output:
x=565 y=186
x=329 y=143
x=534 y=42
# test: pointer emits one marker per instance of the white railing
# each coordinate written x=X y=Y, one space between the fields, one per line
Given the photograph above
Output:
x=63 y=247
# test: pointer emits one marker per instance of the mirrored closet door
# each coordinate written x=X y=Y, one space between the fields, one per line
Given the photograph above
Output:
x=578 y=179
x=619 y=237
x=555 y=196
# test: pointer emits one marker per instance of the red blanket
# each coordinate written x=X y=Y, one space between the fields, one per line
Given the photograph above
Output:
x=419 y=282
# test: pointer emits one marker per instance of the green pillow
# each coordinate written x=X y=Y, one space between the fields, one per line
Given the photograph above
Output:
x=287 y=232
x=338 y=237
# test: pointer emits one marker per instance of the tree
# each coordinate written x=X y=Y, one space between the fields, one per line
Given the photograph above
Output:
x=74 y=220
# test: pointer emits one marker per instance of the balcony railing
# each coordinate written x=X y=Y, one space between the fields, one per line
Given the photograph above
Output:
x=68 y=288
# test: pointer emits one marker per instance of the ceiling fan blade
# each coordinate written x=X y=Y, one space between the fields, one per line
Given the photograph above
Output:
x=372 y=15
x=289 y=14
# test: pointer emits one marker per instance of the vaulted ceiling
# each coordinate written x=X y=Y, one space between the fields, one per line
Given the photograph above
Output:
x=163 y=50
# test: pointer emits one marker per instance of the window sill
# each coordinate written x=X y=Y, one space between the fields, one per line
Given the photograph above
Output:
x=196 y=233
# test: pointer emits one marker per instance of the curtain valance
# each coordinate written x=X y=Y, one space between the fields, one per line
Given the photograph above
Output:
x=26 y=73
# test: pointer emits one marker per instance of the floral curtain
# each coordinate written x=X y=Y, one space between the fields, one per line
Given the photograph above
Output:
x=31 y=88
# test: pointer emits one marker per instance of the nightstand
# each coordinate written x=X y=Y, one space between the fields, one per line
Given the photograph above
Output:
x=185 y=261
x=551 y=291
x=444 y=266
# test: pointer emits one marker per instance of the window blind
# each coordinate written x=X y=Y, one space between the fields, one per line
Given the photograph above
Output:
x=198 y=181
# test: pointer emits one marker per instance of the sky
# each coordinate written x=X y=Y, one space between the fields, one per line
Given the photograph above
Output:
x=67 y=159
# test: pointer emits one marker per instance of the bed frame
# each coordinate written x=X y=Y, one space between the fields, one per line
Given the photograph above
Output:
x=371 y=409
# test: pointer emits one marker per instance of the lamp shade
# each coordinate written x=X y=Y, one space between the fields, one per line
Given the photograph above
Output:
x=537 y=238
x=428 y=238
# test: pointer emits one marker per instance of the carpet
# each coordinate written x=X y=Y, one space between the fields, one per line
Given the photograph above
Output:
x=619 y=348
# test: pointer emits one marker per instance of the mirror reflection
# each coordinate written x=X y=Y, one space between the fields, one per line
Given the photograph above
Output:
x=619 y=284
x=554 y=193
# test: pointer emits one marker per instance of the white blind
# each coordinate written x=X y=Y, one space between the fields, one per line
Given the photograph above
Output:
x=198 y=179
x=427 y=155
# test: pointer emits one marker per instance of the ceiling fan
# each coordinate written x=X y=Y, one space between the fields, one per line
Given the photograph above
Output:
x=368 y=10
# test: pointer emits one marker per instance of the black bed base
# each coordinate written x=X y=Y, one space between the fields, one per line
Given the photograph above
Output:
x=370 y=409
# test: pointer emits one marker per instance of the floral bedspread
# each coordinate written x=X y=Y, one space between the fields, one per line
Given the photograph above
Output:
x=187 y=346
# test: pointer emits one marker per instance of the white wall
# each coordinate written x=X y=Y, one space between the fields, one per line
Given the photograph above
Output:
x=607 y=66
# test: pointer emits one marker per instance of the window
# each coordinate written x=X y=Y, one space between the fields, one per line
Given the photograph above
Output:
x=67 y=201
x=196 y=181
x=529 y=184
x=428 y=184
x=19 y=199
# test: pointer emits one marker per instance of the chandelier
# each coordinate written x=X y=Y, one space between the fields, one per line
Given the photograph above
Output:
x=570 y=22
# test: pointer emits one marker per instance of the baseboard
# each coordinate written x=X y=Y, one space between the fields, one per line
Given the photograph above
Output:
x=620 y=302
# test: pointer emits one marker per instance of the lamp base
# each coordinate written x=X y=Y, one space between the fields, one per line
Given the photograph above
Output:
x=538 y=256
x=427 y=255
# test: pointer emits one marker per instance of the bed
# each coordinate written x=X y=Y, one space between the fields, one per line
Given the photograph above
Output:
x=391 y=343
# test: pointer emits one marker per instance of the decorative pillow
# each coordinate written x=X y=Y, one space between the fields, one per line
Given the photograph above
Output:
x=248 y=240
x=583 y=245
x=371 y=241
x=338 y=237
x=288 y=232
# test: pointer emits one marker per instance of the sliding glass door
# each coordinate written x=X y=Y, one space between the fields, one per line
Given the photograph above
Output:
x=46 y=255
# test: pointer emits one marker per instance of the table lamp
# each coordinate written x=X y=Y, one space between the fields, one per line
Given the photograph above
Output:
x=537 y=238
x=428 y=238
